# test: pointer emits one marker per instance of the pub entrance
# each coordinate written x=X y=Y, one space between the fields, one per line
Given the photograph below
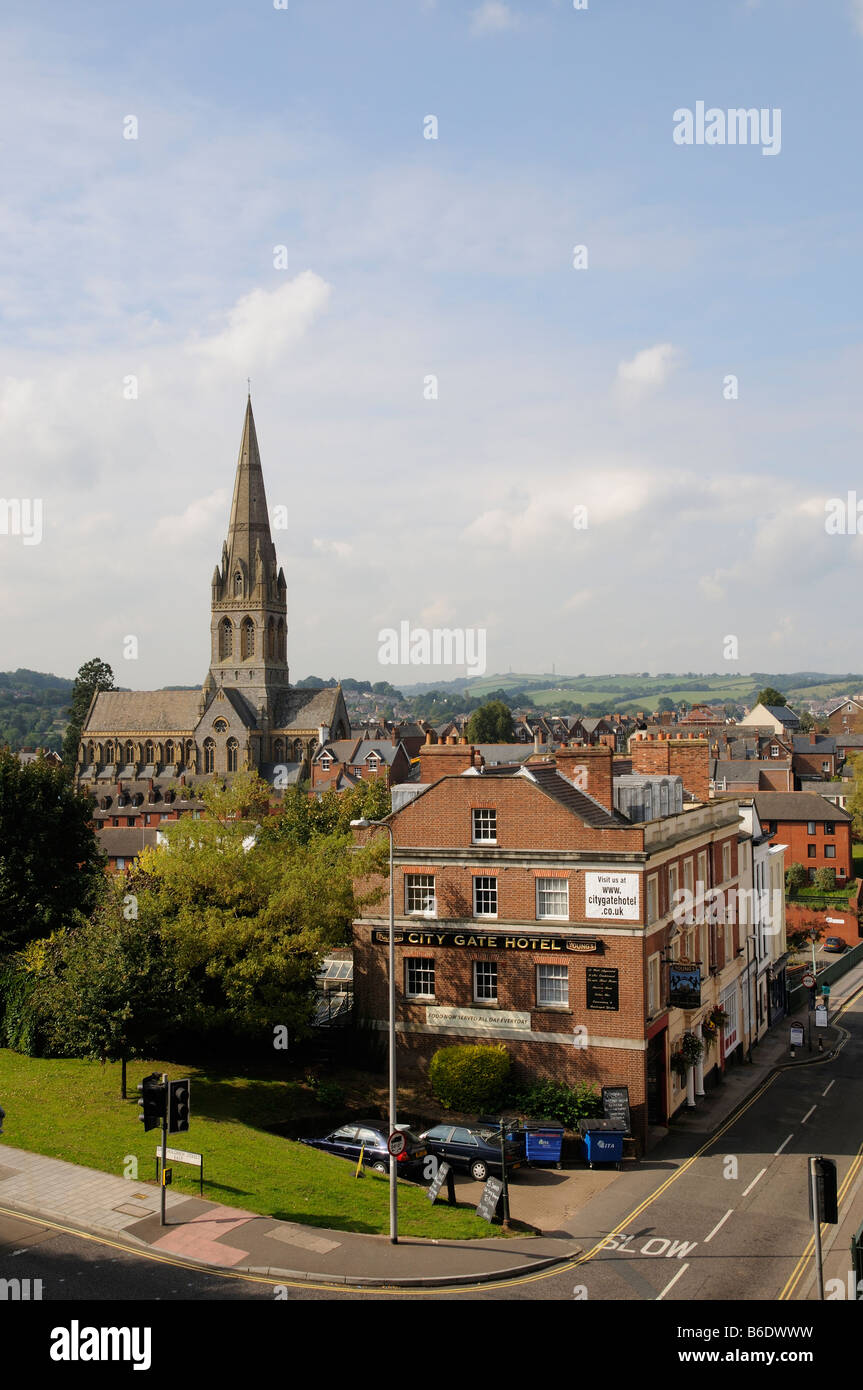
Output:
x=656 y=1087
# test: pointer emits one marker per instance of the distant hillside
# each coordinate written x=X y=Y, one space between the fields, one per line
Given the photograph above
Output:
x=33 y=708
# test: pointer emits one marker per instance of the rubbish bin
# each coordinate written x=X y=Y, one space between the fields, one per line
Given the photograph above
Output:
x=602 y=1141
x=543 y=1141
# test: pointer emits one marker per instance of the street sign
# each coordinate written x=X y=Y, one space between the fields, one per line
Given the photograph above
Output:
x=825 y=989
x=797 y=1035
x=821 y=1016
x=489 y=1199
x=397 y=1143
x=438 y=1181
x=808 y=979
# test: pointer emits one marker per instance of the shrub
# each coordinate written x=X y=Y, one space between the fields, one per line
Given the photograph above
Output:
x=469 y=1077
x=330 y=1095
x=795 y=878
x=825 y=880
x=552 y=1100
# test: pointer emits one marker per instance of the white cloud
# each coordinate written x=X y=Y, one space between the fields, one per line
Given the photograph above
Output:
x=648 y=369
x=340 y=550
x=493 y=17
x=201 y=517
x=264 y=323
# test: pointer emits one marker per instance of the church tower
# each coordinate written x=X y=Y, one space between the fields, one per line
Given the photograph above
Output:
x=248 y=626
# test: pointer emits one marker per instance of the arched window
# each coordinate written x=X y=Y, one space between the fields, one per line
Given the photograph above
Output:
x=169 y=751
x=278 y=751
x=109 y=752
x=130 y=751
x=281 y=652
x=233 y=748
x=149 y=752
x=209 y=755
x=238 y=585
x=226 y=638
x=271 y=638
x=297 y=750
x=221 y=726
x=91 y=752
x=248 y=639
x=189 y=747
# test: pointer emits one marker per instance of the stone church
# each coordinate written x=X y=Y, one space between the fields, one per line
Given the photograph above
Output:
x=145 y=745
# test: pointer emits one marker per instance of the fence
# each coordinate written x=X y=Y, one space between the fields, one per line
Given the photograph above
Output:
x=834 y=971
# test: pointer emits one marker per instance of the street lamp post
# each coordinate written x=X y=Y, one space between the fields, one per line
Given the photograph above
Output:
x=364 y=824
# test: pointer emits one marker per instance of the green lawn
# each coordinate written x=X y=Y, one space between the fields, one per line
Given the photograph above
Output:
x=72 y=1110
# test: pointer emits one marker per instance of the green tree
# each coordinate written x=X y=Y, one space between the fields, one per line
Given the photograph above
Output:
x=770 y=696
x=50 y=864
x=854 y=804
x=93 y=676
x=825 y=880
x=664 y=703
x=491 y=723
x=795 y=878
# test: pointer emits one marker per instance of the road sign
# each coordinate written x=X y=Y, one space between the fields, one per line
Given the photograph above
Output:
x=821 y=1016
x=397 y=1143
x=797 y=1035
x=808 y=979
x=825 y=989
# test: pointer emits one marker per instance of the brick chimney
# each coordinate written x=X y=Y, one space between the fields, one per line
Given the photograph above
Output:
x=813 y=737
x=687 y=758
x=589 y=769
x=445 y=759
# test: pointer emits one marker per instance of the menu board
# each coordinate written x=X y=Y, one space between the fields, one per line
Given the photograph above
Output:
x=489 y=1199
x=603 y=989
x=615 y=1105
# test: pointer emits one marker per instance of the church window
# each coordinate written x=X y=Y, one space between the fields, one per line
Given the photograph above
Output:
x=149 y=752
x=226 y=638
x=238 y=585
x=280 y=653
x=233 y=748
x=209 y=755
x=297 y=751
x=278 y=750
x=90 y=752
x=271 y=639
x=130 y=752
x=169 y=751
x=221 y=726
x=248 y=639
x=188 y=751
x=109 y=752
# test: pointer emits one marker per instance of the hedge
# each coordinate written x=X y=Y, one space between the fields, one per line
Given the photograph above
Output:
x=470 y=1077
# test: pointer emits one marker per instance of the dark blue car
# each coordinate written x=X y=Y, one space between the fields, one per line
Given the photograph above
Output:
x=473 y=1150
x=369 y=1139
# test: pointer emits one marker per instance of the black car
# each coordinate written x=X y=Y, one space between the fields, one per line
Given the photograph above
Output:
x=835 y=944
x=475 y=1150
x=369 y=1139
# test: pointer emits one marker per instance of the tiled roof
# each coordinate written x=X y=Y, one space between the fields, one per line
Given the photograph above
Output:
x=304 y=710
x=797 y=806
x=125 y=842
x=143 y=711
x=549 y=780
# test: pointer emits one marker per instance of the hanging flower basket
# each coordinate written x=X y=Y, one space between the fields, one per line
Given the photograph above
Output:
x=677 y=1062
x=692 y=1048
x=718 y=1017
x=709 y=1032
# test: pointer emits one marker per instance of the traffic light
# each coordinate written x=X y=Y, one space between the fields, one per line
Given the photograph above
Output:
x=826 y=1187
x=179 y=1103
x=152 y=1100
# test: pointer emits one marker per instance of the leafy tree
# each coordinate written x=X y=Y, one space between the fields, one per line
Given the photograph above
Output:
x=807 y=721
x=664 y=703
x=50 y=864
x=770 y=696
x=491 y=723
x=825 y=880
x=93 y=676
x=854 y=804
x=795 y=878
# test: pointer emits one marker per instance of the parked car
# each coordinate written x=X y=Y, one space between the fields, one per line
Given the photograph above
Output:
x=370 y=1140
x=475 y=1150
x=836 y=944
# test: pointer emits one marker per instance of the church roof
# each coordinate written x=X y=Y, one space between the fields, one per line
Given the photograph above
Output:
x=143 y=711
x=306 y=709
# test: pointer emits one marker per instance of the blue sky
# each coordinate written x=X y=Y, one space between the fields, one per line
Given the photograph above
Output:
x=557 y=387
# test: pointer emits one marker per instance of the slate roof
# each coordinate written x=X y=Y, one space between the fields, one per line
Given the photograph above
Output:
x=353 y=750
x=848 y=740
x=125 y=842
x=823 y=744
x=784 y=714
x=304 y=710
x=143 y=711
x=550 y=781
x=797 y=806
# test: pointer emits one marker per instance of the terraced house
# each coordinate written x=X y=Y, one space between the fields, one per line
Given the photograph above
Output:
x=532 y=911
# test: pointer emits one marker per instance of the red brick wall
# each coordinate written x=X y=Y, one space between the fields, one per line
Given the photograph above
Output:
x=795 y=835
x=684 y=757
x=598 y=762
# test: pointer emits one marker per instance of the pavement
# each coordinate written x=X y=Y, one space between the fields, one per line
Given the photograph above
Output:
x=211 y=1235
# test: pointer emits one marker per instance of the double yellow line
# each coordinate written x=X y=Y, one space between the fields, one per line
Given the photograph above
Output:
x=800 y=1267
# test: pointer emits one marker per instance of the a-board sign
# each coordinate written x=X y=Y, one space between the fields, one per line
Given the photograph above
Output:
x=438 y=1181
x=615 y=1105
x=603 y=991
x=820 y=1015
x=397 y=1143
x=489 y=1199
x=797 y=1035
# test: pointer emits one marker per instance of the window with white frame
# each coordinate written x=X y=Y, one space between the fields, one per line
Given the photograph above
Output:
x=485 y=981
x=653 y=985
x=702 y=870
x=726 y=862
x=373 y=762
x=419 y=893
x=419 y=977
x=687 y=875
x=485 y=896
x=552 y=984
x=552 y=898
x=484 y=825
x=652 y=898
x=326 y=762
x=673 y=881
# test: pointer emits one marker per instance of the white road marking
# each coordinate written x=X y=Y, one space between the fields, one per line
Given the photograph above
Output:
x=682 y=1270
x=832 y=1083
x=754 y=1181
x=806 y=1116
x=719 y=1223
x=782 y=1145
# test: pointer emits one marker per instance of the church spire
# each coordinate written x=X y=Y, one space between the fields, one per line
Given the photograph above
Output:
x=249 y=526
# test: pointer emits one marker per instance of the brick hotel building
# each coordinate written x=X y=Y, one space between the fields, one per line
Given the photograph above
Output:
x=531 y=911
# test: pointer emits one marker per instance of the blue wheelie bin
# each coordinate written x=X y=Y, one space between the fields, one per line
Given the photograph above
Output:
x=543 y=1141
x=601 y=1141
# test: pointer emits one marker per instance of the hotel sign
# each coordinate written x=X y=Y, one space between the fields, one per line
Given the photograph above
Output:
x=684 y=985
x=494 y=941
x=477 y=1020
x=612 y=897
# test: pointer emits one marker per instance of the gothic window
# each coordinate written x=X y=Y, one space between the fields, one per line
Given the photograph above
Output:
x=226 y=638
x=109 y=752
x=271 y=638
x=130 y=752
x=281 y=652
x=188 y=751
x=238 y=585
x=221 y=726
x=209 y=755
x=169 y=751
x=297 y=751
x=149 y=752
x=278 y=751
x=233 y=747
x=248 y=639
x=90 y=752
